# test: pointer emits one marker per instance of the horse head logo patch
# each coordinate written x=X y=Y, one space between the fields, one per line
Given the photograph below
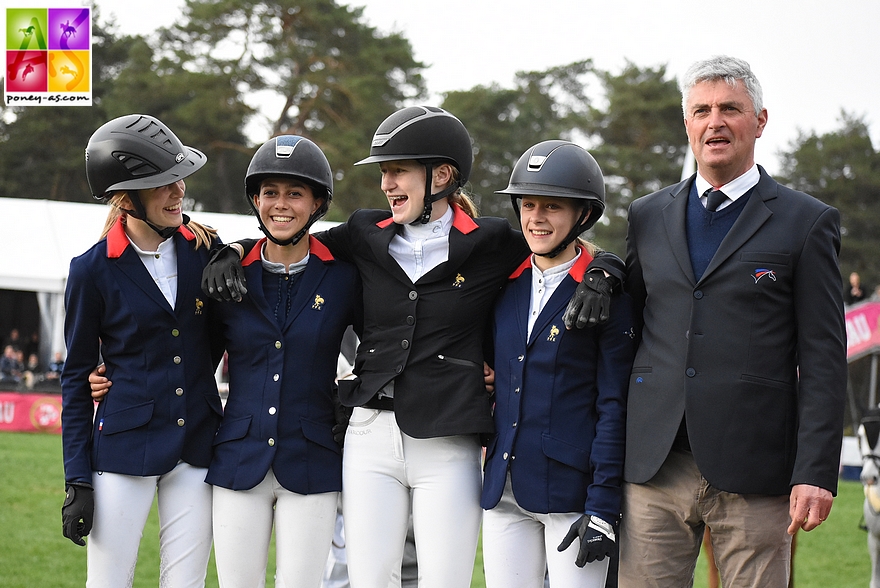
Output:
x=761 y=272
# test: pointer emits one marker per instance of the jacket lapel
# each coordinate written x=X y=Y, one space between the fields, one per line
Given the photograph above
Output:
x=674 y=218
x=552 y=309
x=379 y=238
x=253 y=273
x=307 y=294
x=188 y=276
x=460 y=246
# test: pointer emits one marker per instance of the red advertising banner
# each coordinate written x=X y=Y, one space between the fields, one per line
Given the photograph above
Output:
x=862 y=330
x=34 y=413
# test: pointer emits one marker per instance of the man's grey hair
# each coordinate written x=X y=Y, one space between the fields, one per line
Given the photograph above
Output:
x=722 y=67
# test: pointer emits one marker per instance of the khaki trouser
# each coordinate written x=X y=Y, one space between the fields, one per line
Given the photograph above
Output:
x=663 y=524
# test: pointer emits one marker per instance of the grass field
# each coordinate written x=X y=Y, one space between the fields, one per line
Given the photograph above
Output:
x=33 y=552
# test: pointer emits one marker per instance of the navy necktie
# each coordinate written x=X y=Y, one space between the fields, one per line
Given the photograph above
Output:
x=714 y=198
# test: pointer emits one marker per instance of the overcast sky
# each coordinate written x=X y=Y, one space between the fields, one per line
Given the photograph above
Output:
x=813 y=57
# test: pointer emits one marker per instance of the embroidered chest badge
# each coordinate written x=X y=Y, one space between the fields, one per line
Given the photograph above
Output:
x=761 y=272
x=319 y=302
x=459 y=280
x=554 y=330
x=199 y=306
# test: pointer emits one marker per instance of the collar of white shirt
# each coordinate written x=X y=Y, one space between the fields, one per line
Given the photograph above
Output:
x=733 y=189
x=280 y=268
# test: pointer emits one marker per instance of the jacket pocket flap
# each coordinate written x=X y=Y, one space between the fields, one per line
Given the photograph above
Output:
x=566 y=453
x=321 y=434
x=231 y=430
x=127 y=418
x=761 y=257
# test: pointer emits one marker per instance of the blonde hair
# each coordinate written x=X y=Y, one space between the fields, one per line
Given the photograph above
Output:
x=204 y=235
x=462 y=198
x=465 y=202
x=591 y=247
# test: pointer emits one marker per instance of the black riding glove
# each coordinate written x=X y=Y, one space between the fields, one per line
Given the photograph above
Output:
x=78 y=512
x=597 y=539
x=591 y=302
x=223 y=279
x=342 y=414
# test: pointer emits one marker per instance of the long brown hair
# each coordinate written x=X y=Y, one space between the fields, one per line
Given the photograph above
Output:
x=118 y=203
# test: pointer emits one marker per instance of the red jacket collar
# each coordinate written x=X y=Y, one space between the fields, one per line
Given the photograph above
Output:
x=117 y=240
x=460 y=220
x=577 y=271
x=316 y=248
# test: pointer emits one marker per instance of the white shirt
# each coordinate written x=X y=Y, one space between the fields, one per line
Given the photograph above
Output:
x=162 y=265
x=733 y=189
x=280 y=268
x=420 y=248
x=544 y=284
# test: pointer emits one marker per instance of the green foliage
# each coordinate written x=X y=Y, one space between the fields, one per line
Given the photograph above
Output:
x=842 y=168
x=504 y=122
x=334 y=76
x=204 y=112
x=641 y=144
x=638 y=137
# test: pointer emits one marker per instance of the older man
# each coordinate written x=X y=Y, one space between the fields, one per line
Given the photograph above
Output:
x=735 y=409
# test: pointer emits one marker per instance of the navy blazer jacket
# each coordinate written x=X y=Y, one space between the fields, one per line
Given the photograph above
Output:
x=560 y=403
x=164 y=407
x=755 y=352
x=279 y=413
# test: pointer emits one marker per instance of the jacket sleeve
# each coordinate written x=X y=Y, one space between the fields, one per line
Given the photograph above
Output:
x=338 y=240
x=821 y=349
x=609 y=262
x=615 y=356
x=82 y=324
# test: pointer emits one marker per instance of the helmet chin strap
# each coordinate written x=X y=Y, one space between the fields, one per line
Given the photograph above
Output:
x=313 y=218
x=425 y=218
x=576 y=230
x=579 y=227
x=140 y=213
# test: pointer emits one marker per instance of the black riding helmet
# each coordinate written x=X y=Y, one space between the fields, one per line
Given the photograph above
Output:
x=137 y=152
x=564 y=170
x=293 y=156
x=427 y=134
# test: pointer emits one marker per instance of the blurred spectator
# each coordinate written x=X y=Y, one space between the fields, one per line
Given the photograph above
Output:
x=33 y=372
x=32 y=345
x=53 y=373
x=875 y=297
x=14 y=339
x=856 y=292
x=10 y=367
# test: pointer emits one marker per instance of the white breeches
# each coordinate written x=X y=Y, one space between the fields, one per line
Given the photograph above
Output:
x=122 y=505
x=243 y=521
x=383 y=469
x=519 y=546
